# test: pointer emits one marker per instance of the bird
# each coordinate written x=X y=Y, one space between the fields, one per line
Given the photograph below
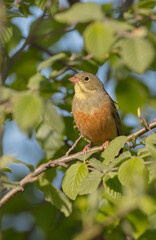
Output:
x=94 y=111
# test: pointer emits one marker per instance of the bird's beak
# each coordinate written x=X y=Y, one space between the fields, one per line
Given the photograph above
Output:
x=73 y=79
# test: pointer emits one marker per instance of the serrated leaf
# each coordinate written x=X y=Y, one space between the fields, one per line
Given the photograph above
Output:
x=73 y=178
x=50 y=61
x=6 y=34
x=56 y=198
x=113 y=149
x=132 y=171
x=122 y=157
x=5 y=160
x=96 y=164
x=98 y=38
x=112 y=185
x=80 y=13
x=27 y=110
x=151 y=145
x=137 y=53
x=90 y=183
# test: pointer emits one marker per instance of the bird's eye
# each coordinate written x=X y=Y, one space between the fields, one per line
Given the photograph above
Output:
x=86 y=78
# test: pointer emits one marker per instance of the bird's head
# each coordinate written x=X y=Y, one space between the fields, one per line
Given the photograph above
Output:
x=86 y=83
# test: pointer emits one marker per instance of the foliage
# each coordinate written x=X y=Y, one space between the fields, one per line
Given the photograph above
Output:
x=103 y=195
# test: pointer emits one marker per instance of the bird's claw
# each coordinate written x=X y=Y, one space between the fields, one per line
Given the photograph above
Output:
x=105 y=145
x=86 y=148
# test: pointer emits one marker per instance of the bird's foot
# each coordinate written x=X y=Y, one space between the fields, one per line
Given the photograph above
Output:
x=86 y=148
x=105 y=145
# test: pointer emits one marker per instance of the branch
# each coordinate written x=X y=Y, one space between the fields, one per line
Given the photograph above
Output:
x=50 y=53
x=125 y=6
x=32 y=177
x=11 y=61
x=52 y=33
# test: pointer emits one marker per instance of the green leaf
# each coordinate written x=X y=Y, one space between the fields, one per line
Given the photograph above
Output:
x=132 y=172
x=15 y=38
x=56 y=198
x=72 y=179
x=5 y=160
x=48 y=139
x=53 y=118
x=80 y=13
x=98 y=38
x=139 y=222
x=137 y=53
x=122 y=157
x=148 y=204
x=46 y=35
x=84 y=157
x=131 y=85
x=152 y=171
x=6 y=183
x=27 y=111
x=90 y=183
x=6 y=34
x=113 y=149
x=151 y=145
x=50 y=61
x=112 y=185
x=96 y=164
x=35 y=81
x=45 y=4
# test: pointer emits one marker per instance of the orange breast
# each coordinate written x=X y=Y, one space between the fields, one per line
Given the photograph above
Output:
x=97 y=127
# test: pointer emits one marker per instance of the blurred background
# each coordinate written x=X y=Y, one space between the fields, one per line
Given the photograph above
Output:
x=28 y=215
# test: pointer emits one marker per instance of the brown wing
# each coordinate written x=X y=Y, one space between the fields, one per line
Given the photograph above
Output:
x=116 y=118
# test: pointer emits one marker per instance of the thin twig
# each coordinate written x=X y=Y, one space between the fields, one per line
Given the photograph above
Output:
x=73 y=146
x=16 y=56
x=31 y=177
x=143 y=122
x=52 y=33
x=50 y=53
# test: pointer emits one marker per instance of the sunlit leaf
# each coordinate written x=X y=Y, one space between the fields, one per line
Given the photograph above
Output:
x=96 y=164
x=73 y=178
x=113 y=149
x=27 y=110
x=151 y=145
x=5 y=160
x=50 y=61
x=53 y=118
x=132 y=171
x=98 y=38
x=48 y=139
x=137 y=53
x=80 y=12
x=90 y=183
x=121 y=158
